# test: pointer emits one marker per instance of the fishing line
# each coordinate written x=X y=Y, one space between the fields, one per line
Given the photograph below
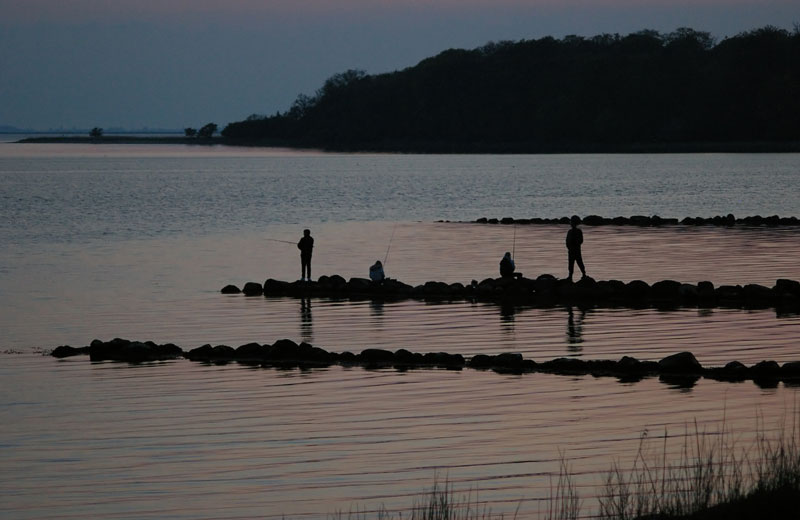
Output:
x=385 y=258
x=282 y=241
x=514 y=243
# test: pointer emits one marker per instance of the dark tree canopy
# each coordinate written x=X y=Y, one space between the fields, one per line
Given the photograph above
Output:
x=207 y=130
x=646 y=87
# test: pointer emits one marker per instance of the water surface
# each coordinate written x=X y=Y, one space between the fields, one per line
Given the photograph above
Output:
x=136 y=241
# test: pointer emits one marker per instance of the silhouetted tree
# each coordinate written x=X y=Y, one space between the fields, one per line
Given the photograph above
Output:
x=189 y=131
x=645 y=87
x=96 y=132
x=207 y=130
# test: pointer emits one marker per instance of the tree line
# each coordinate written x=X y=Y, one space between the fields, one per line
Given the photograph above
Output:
x=643 y=88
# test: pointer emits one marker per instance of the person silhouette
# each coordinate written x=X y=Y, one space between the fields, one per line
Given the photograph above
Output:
x=574 y=241
x=507 y=266
x=306 y=247
x=376 y=273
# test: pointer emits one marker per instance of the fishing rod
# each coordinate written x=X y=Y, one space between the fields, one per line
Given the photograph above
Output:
x=385 y=258
x=282 y=241
x=514 y=243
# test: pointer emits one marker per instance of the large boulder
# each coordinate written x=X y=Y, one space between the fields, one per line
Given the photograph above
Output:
x=757 y=295
x=637 y=290
x=666 y=290
x=274 y=287
x=376 y=356
x=682 y=363
x=230 y=289
x=253 y=289
x=359 y=285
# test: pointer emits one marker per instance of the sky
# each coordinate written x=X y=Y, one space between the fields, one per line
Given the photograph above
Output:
x=176 y=63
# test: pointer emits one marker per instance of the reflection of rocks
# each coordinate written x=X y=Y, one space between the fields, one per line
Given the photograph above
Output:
x=544 y=290
x=678 y=369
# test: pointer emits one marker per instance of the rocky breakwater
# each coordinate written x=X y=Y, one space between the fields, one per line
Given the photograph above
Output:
x=680 y=369
x=122 y=350
x=728 y=220
x=544 y=290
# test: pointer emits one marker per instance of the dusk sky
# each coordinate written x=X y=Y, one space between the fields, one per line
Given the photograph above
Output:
x=178 y=63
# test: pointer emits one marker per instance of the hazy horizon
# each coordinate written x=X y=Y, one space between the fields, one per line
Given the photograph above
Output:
x=174 y=64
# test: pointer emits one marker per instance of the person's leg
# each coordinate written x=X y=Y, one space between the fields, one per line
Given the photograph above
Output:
x=579 y=260
x=304 y=267
x=571 y=257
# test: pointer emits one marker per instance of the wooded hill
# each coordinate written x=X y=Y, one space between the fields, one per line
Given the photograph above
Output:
x=576 y=93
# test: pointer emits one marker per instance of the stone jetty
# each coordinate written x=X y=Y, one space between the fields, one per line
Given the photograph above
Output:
x=728 y=220
x=681 y=369
x=545 y=290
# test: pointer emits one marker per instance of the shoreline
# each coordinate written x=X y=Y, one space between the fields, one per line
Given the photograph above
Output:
x=445 y=148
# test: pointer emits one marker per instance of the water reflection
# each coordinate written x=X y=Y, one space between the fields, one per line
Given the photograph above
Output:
x=681 y=382
x=575 y=329
x=507 y=316
x=376 y=308
x=306 y=323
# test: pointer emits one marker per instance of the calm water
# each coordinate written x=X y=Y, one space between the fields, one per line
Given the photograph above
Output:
x=136 y=241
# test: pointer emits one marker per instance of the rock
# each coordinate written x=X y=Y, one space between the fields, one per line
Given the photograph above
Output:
x=253 y=289
x=791 y=369
x=209 y=353
x=755 y=294
x=480 y=361
x=252 y=351
x=611 y=290
x=376 y=356
x=637 y=290
x=508 y=360
x=765 y=369
x=784 y=286
x=67 y=351
x=359 y=285
x=276 y=287
x=705 y=291
x=688 y=292
x=666 y=290
x=682 y=362
x=230 y=289
x=729 y=293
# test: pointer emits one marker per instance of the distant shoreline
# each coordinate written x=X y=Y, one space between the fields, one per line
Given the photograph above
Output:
x=446 y=148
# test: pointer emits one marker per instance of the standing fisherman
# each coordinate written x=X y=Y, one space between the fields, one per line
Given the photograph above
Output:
x=306 y=246
x=574 y=241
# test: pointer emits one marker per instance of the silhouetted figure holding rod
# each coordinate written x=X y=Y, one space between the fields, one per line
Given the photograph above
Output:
x=306 y=246
x=574 y=241
x=507 y=267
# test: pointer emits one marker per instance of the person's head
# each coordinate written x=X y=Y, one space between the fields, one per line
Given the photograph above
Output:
x=378 y=263
x=575 y=220
x=507 y=255
x=306 y=232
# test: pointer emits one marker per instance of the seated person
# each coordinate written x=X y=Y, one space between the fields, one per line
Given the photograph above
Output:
x=507 y=266
x=376 y=272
